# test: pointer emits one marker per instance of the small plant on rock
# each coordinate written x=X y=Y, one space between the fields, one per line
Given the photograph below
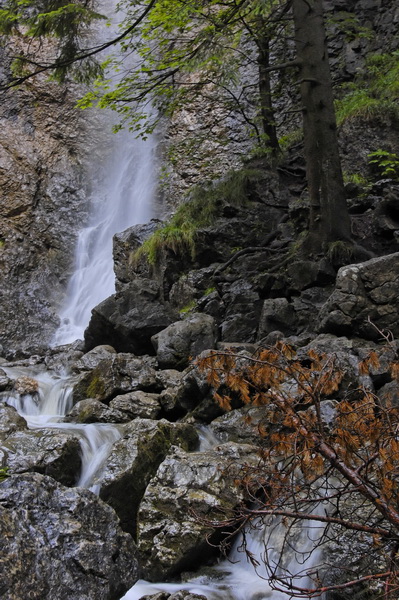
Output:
x=384 y=163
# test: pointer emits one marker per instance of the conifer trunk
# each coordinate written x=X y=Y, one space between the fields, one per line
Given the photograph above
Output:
x=329 y=217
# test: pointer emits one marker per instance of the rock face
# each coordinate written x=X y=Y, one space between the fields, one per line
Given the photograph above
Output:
x=369 y=290
x=61 y=543
x=42 y=138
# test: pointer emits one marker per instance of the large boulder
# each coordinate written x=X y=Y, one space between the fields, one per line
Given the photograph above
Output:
x=137 y=404
x=188 y=490
x=183 y=340
x=94 y=411
x=364 y=292
x=58 y=543
x=47 y=451
x=119 y=374
x=134 y=459
x=127 y=320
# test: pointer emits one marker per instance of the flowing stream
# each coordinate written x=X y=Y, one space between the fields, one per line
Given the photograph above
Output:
x=238 y=579
x=46 y=408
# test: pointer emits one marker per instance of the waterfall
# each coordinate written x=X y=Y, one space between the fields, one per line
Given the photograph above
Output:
x=121 y=196
x=46 y=407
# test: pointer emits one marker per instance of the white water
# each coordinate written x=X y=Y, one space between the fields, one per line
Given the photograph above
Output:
x=45 y=409
x=121 y=197
x=238 y=579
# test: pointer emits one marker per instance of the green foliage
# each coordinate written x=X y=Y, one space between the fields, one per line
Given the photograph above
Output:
x=340 y=253
x=200 y=210
x=374 y=92
x=4 y=473
x=348 y=24
x=386 y=164
x=290 y=139
x=356 y=178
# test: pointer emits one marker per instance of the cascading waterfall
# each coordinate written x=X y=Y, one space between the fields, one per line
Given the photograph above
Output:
x=122 y=197
x=46 y=408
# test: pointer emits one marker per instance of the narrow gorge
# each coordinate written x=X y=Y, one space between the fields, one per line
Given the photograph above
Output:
x=196 y=401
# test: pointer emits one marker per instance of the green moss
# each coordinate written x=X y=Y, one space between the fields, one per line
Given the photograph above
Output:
x=4 y=473
x=188 y=308
x=209 y=291
x=200 y=210
x=95 y=388
x=373 y=93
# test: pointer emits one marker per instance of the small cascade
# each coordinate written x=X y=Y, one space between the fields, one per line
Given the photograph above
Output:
x=291 y=552
x=45 y=408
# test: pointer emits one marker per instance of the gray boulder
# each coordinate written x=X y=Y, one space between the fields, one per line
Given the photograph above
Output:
x=117 y=375
x=134 y=459
x=187 y=491
x=185 y=339
x=364 y=291
x=91 y=359
x=94 y=411
x=127 y=320
x=10 y=421
x=243 y=425
x=47 y=451
x=137 y=404
x=60 y=543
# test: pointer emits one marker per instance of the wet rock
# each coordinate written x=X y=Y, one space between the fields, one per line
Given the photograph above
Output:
x=137 y=404
x=277 y=314
x=185 y=339
x=389 y=395
x=124 y=246
x=364 y=292
x=187 y=489
x=117 y=375
x=127 y=320
x=94 y=411
x=245 y=425
x=91 y=359
x=134 y=459
x=46 y=451
x=5 y=382
x=184 y=395
x=26 y=385
x=61 y=543
x=243 y=307
x=10 y=421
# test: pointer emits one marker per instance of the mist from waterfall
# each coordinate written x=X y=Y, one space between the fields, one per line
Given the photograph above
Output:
x=122 y=195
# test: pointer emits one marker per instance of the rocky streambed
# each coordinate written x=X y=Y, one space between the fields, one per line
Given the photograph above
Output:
x=128 y=415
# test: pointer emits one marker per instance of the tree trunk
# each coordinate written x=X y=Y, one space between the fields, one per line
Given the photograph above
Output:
x=329 y=217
